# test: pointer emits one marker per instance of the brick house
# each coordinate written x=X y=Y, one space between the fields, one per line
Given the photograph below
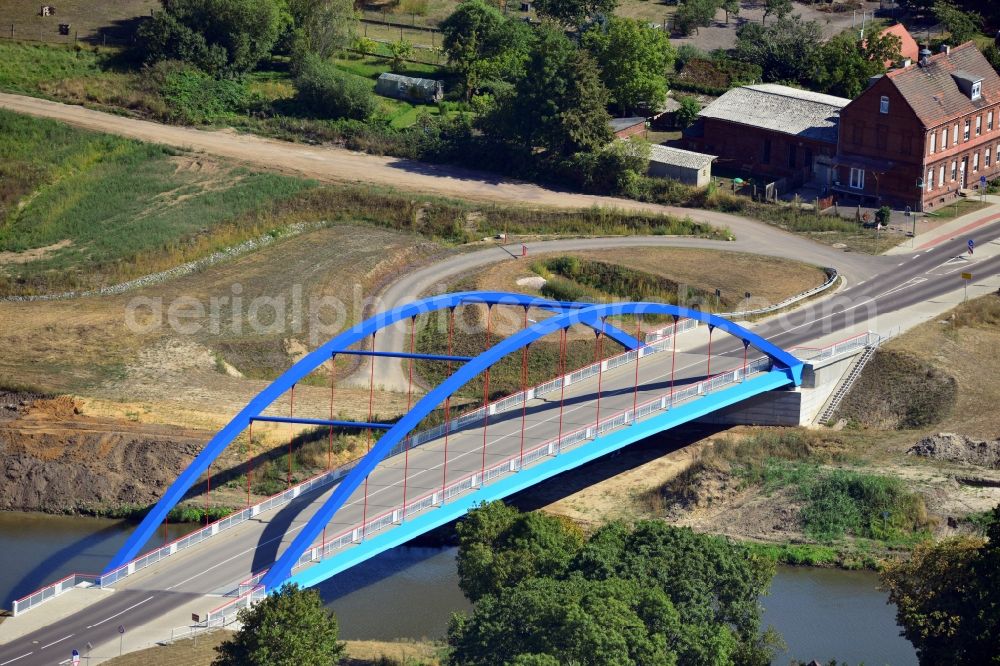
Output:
x=772 y=130
x=921 y=133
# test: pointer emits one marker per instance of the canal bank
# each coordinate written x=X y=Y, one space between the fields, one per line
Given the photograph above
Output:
x=411 y=592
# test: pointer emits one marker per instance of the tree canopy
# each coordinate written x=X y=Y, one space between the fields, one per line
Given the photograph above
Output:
x=962 y=23
x=289 y=627
x=219 y=36
x=785 y=50
x=331 y=92
x=574 y=12
x=649 y=594
x=947 y=598
x=483 y=45
x=559 y=105
x=634 y=59
x=846 y=64
x=322 y=27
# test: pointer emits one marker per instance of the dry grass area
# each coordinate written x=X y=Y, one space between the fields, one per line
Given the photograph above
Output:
x=85 y=347
x=86 y=18
x=200 y=651
x=769 y=279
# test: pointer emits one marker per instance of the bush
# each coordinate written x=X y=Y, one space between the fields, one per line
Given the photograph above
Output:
x=194 y=97
x=333 y=93
x=219 y=36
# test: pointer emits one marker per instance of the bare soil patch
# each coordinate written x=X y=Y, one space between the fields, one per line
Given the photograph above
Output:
x=33 y=254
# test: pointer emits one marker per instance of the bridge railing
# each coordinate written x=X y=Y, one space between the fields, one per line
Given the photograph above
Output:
x=51 y=591
x=847 y=345
x=250 y=590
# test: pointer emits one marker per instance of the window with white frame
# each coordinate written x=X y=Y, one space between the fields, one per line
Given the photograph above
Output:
x=941 y=176
x=977 y=90
x=954 y=169
x=986 y=158
x=989 y=121
x=933 y=142
x=883 y=104
x=968 y=127
x=954 y=135
x=930 y=179
x=979 y=124
x=857 y=178
x=975 y=162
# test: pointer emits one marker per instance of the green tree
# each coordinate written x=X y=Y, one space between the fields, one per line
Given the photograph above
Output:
x=648 y=594
x=483 y=45
x=786 y=50
x=694 y=14
x=329 y=92
x=500 y=546
x=731 y=7
x=219 y=36
x=846 y=64
x=947 y=597
x=688 y=112
x=777 y=8
x=559 y=105
x=289 y=627
x=634 y=59
x=322 y=27
x=574 y=12
x=399 y=52
x=963 y=24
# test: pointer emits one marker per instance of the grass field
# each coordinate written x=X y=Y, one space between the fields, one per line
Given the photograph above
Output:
x=79 y=209
x=201 y=652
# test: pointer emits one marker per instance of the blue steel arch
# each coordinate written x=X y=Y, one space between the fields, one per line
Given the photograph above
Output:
x=310 y=362
x=282 y=568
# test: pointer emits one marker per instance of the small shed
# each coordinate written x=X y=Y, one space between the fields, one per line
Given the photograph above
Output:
x=686 y=166
x=409 y=88
x=623 y=128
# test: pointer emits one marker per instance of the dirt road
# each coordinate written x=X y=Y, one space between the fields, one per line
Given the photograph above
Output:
x=340 y=165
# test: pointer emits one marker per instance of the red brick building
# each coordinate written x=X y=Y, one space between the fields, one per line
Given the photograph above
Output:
x=921 y=133
x=772 y=130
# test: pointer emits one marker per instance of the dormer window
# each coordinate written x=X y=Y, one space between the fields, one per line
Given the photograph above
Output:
x=977 y=90
x=970 y=84
x=883 y=104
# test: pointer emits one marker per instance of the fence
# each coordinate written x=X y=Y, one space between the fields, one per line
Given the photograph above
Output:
x=54 y=590
x=50 y=34
x=511 y=465
x=851 y=344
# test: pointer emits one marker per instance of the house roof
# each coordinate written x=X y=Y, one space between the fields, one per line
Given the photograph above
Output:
x=619 y=124
x=678 y=157
x=408 y=81
x=932 y=91
x=780 y=109
x=909 y=48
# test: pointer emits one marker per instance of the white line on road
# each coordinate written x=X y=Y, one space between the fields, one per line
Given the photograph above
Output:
x=11 y=661
x=58 y=641
x=118 y=613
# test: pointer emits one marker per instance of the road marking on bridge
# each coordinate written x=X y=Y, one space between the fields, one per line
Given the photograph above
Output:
x=58 y=641
x=11 y=661
x=119 y=613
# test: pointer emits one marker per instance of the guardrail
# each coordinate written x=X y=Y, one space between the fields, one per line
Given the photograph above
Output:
x=832 y=275
x=51 y=591
x=512 y=464
x=851 y=344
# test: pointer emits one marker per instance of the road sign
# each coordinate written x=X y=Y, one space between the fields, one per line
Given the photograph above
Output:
x=972 y=245
x=982 y=181
x=195 y=618
x=966 y=276
x=121 y=628
x=76 y=657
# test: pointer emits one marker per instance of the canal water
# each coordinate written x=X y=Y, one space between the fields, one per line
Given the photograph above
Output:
x=407 y=592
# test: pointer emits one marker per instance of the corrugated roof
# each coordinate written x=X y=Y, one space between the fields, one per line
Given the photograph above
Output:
x=780 y=109
x=678 y=157
x=407 y=80
x=931 y=90
x=619 y=124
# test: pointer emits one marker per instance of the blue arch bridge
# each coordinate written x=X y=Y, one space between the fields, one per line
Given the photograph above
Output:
x=414 y=476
